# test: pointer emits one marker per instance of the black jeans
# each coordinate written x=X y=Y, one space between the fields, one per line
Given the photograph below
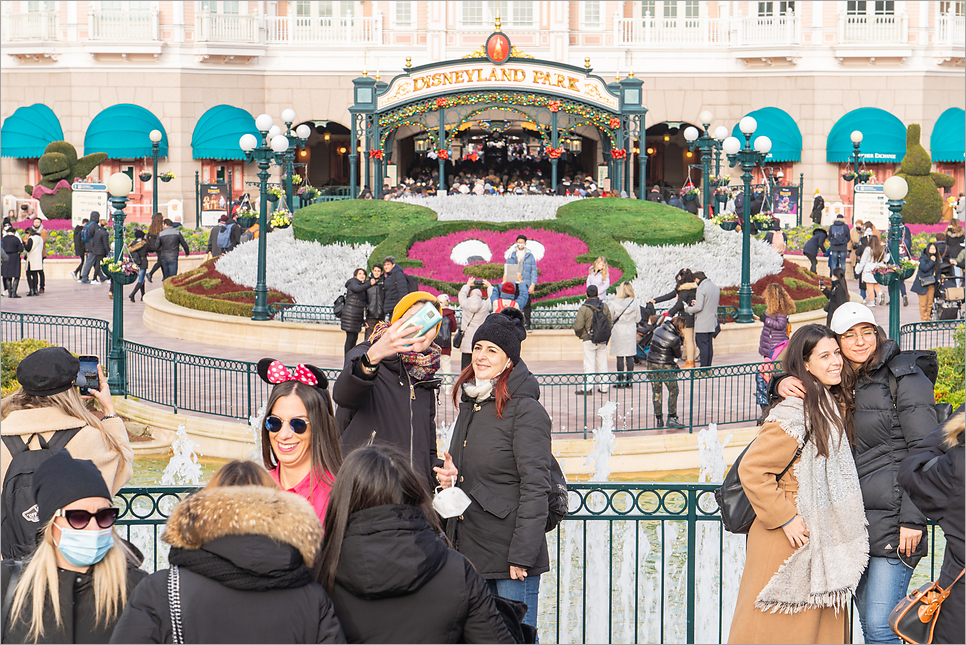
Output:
x=154 y=269
x=526 y=312
x=705 y=344
x=32 y=278
x=350 y=341
x=625 y=364
x=813 y=259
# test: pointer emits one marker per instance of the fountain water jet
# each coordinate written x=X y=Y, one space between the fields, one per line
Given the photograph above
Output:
x=183 y=469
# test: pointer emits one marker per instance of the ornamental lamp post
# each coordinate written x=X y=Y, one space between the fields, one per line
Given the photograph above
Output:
x=296 y=139
x=705 y=143
x=895 y=189
x=747 y=158
x=119 y=186
x=264 y=153
x=856 y=137
x=155 y=136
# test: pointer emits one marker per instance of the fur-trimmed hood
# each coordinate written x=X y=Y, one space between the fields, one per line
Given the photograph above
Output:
x=684 y=286
x=212 y=513
x=955 y=427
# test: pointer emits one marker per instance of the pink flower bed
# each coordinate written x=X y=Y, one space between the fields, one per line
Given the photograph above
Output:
x=558 y=263
x=915 y=229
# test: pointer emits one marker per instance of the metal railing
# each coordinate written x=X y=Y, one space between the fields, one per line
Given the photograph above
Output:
x=29 y=25
x=876 y=29
x=227 y=28
x=951 y=30
x=335 y=30
x=284 y=312
x=928 y=335
x=126 y=26
x=632 y=562
x=80 y=336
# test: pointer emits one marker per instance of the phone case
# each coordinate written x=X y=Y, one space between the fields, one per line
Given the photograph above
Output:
x=428 y=316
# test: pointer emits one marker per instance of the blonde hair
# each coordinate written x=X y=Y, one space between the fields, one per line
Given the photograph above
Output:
x=70 y=403
x=600 y=264
x=626 y=290
x=39 y=579
x=777 y=301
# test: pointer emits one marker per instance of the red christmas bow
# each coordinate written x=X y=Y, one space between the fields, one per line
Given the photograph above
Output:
x=278 y=373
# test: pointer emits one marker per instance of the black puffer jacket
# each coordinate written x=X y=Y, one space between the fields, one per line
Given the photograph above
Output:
x=77 y=608
x=401 y=415
x=932 y=475
x=354 y=312
x=504 y=466
x=100 y=242
x=665 y=345
x=80 y=246
x=242 y=553
x=397 y=582
x=396 y=286
x=376 y=298
x=837 y=296
x=685 y=293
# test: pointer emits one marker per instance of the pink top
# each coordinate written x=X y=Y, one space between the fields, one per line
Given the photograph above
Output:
x=314 y=490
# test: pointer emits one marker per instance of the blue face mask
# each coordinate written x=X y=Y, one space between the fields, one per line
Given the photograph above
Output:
x=84 y=548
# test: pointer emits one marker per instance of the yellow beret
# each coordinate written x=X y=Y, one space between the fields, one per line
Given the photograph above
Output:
x=409 y=300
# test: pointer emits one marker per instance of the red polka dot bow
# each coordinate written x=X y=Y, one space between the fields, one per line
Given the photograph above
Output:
x=278 y=373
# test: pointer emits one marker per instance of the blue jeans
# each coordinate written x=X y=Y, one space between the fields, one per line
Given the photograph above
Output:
x=836 y=259
x=883 y=584
x=169 y=267
x=141 y=274
x=526 y=590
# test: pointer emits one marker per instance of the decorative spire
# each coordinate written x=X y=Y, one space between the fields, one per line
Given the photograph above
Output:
x=630 y=74
x=409 y=62
x=365 y=64
x=496 y=26
x=587 y=62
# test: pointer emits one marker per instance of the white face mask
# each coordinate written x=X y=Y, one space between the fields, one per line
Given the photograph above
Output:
x=450 y=502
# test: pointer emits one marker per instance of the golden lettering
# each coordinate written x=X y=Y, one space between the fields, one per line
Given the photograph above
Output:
x=437 y=79
x=519 y=76
x=493 y=76
x=572 y=84
x=537 y=76
x=560 y=80
x=547 y=79
x=506 y=74
x=419 y=83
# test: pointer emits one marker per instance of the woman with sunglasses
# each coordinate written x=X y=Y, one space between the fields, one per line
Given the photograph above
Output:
x=893 y=410
x=75 y=584
x=299 y=435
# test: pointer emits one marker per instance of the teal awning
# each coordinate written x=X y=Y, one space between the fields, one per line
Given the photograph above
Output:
x=122 y=131
x=883 y=137
x=28 y=130
x=948 y=140
x=780 y=127
x=218 y=130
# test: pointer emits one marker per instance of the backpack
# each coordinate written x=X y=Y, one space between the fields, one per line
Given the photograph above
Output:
x=20 y=523
x=444 y=337
x=413 y=283
x=246 y=236
x=838 y=235
x=224 y=236
x=558 y=502
x=338 y=306
x=599 y=326
x=86 y=233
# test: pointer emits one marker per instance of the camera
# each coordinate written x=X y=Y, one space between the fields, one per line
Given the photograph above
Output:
x=478 y=284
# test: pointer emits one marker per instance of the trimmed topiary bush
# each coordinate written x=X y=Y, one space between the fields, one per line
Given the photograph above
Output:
x=205 y=289
x=952 y=370
x=60 y=163
x=924 y=204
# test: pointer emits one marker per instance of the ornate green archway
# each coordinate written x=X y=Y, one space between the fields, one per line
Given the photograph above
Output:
x=440 y=97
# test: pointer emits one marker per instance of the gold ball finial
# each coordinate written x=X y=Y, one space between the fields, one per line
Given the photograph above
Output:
x=630 y=74
x=497 y=24
x=617 y=77
x=409 y=62
x=587 y=63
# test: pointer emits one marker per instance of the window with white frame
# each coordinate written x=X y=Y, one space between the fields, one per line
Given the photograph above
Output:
x=954 y=8
x=472 y=14
x=592 y=18
x=126 y=5
x=692 y=9
x=649 y=9
x=315 y=9
x=522 y=13
x=220 y=6
x=861 y=8
x=512 y=14
x=768 y=8
x=669 y=9
x=403 y=13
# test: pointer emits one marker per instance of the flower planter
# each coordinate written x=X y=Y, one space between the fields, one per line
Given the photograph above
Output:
x=278 y=228
x=272 y=198
x=145 y=176
x=689 y=197
x=165 y=179
x=885 y=278
x=122 y=278
x=729 y=226
x=247 y=221
x=907 y=273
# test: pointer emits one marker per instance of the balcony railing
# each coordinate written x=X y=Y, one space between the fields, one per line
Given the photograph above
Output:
x=347 y=29
x=951 y=30
x=124 y=26
x=875 y=29
x=671 y=31
x=766 y=30
x=32 y=25
x=227 y=28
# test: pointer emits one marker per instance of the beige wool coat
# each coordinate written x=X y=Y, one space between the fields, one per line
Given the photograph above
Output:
x=86 y=444
x=768 y=548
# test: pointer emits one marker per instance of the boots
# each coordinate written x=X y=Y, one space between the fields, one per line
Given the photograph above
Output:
x=138 y=287
x=672 y=422
x=14 y=285
x=688 y=364
x=659 y=421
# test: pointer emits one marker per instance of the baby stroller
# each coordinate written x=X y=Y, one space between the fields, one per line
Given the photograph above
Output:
x=644 y=333
x=947 y=302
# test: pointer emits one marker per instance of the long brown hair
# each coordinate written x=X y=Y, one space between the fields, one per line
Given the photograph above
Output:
x=818 y=408
x=376 y=475
x=501 y=392
x=777 y=301
x=324 y=442
x=878 y=251
x=850 y=374
x=157 y=224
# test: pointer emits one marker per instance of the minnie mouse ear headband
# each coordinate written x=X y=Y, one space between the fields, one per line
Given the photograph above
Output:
x=273 y=372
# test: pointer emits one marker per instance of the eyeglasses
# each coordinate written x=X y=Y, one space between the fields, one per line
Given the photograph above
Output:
x=274 y=424
x=867 y=335
x=79 y=519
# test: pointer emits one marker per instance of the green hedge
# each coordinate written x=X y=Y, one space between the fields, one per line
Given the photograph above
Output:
x=952 y=370
x=230 y=303
x=11 y=353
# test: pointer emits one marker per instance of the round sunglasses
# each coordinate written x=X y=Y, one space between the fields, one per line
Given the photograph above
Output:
x=274 y=424
x=79 y=519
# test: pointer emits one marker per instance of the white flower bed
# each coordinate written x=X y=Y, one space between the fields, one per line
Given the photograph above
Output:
x=311 y=273
x=492 y=208
x=719 y=256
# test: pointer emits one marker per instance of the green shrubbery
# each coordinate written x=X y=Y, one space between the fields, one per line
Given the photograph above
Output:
x=11 y=353
x=952 y=369
x=205 y=289
x=924 y=204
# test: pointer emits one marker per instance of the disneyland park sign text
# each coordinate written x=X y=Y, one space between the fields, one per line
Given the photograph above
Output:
x=479 y=74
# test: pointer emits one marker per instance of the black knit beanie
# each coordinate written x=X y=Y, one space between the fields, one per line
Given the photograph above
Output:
x=61 y=480
x=505 y=330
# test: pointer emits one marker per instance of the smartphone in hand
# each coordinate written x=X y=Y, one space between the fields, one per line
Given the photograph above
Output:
x=87 y=378
x=427 y=316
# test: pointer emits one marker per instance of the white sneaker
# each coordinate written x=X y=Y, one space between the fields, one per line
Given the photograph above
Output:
x=73 y=274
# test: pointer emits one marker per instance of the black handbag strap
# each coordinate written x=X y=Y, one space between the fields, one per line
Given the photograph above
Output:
x=798 y=453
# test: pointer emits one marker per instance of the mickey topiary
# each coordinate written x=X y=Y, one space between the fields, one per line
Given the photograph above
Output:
x=924 y=205
x=58 y=164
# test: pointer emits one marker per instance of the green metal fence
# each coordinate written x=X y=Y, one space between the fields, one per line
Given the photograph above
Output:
x=81 y=336
x=928 y=335
x=632 y=563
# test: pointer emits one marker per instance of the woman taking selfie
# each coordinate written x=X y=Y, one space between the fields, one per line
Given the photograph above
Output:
x=893 y=411
x=300 y=439
x=381 y=519
x=501 y=458
x=808 y=544
x=74 y=585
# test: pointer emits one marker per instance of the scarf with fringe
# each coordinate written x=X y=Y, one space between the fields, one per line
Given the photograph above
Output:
x=420 y=367
x=826 y=571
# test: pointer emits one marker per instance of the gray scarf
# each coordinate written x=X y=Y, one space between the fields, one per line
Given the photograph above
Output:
x=826 y=571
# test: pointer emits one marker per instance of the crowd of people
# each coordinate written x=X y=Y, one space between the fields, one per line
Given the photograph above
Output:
x=31 y=246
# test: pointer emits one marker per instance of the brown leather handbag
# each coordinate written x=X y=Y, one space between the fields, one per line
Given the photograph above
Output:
x=914 y=618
